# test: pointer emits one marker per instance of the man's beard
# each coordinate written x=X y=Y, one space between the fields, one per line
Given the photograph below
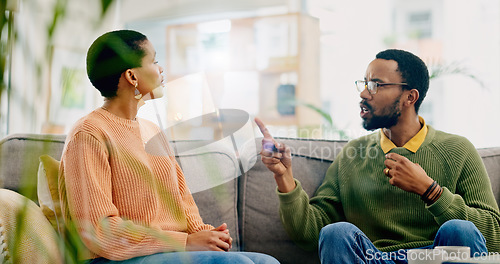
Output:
x=393 y=112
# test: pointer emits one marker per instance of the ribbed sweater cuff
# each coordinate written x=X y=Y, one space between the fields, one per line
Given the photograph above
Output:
x=182 y=240
x=442 y=204
x=290 y=197
x=173 y=241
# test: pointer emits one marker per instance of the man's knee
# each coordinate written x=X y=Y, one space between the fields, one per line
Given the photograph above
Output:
x=338 y=231
x=461 y=233
x=457 y=226
x=338 y=228
x=459 y=230
x=344 y=243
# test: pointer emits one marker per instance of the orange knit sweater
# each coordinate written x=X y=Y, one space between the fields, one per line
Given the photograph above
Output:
x=124 y=201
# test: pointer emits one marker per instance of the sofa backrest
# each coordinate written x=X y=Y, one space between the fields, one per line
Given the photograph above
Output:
x=19 y=162
x=491 y=160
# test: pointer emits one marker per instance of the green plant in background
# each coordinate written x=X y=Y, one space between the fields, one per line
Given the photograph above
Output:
x=330 y=126
x=9 y=41
x=72 y=96
x=440 y=70
x=6 y=41
x=69 y=240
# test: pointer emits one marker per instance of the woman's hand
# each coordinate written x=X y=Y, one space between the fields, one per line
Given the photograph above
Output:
x=217 y=239
x=223 y=228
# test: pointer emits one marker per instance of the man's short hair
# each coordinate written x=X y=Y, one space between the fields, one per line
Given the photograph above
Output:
x=112 y=54
x=413 y=70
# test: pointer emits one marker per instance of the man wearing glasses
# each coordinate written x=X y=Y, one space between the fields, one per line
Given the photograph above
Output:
x=404 y=186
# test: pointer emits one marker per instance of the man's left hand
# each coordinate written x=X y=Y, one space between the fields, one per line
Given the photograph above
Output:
x=405 y=174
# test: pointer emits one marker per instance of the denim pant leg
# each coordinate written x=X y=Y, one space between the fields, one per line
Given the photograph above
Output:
x=461 y=233
x=258 y=258
x=196 y=257
x=343 y=242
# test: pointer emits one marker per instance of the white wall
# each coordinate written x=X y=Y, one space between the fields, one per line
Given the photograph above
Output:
x=472 y=37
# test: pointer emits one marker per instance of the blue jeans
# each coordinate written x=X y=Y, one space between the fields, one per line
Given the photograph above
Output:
x=345 y=243
x=195 y=257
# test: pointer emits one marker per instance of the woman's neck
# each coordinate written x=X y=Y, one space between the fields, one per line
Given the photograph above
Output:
x=122 y=108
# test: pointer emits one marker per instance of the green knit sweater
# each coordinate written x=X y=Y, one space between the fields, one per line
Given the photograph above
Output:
x=356 y=190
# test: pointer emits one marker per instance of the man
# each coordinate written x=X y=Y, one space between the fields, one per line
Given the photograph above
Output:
x=404 y=186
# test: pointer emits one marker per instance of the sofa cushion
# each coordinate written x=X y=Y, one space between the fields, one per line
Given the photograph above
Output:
x=4 y=247
x=30 y=237
x=48 y=192
x=261 y=227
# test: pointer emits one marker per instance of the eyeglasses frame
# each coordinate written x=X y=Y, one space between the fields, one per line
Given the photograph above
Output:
x=376 y=85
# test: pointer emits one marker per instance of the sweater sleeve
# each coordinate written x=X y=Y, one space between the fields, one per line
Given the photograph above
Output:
x=303 y=218
x=87 y=178
x=473 y=201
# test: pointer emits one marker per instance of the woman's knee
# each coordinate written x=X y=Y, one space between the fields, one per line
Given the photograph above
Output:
x=234 y=257
x=209 y=257
x=259 y=258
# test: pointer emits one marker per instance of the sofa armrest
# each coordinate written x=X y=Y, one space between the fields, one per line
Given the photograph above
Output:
x=29 y=237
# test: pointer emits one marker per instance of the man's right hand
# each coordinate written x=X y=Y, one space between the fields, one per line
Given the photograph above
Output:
x=277 y=158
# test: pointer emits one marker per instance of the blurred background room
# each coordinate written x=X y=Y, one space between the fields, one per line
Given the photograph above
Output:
x=293 y=63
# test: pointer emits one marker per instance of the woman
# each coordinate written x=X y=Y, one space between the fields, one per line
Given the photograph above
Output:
x=128 y=205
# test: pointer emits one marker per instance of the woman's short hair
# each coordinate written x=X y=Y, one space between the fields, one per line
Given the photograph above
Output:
x=112 y=54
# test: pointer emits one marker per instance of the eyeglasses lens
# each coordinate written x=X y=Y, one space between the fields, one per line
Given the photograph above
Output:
x=360 y=85
x=372 y=87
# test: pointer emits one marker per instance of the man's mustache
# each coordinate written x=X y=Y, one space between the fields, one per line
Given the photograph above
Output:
x=366 y=105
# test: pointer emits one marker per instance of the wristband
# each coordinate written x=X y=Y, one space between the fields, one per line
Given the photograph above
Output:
x=429 y=190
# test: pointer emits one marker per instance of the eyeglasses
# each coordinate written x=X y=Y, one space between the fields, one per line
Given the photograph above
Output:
x=372 y=86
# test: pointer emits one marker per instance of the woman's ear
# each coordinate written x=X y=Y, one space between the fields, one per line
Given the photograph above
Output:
x=130 y=77
x=412 y=97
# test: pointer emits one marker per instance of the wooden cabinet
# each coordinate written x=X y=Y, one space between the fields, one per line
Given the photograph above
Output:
x=246 y=61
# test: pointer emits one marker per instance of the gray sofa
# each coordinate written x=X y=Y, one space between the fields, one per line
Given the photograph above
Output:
x=247 y=203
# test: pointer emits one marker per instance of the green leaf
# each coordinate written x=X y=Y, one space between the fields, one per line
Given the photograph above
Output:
x=59 y=12
x=324 y=114
x=105 y=6
x=440 y=70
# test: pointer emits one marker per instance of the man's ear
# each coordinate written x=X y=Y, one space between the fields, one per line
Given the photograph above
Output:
x=130 y=76
x=412 y=97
